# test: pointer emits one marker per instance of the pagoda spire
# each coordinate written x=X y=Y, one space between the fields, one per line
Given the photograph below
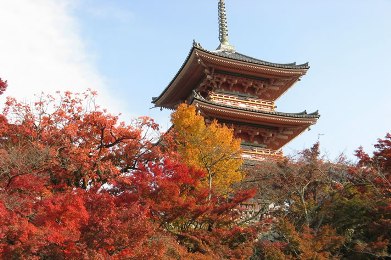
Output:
x=223 y=29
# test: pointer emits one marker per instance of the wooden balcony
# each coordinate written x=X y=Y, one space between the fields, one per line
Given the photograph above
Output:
x=250 y=103
x=261 y=154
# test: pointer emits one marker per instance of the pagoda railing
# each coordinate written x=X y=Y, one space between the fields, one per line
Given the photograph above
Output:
x=260 y=154
x=239 y=102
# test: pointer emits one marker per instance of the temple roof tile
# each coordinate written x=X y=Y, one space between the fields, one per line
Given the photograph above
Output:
x=241 y=57
x=304 y=114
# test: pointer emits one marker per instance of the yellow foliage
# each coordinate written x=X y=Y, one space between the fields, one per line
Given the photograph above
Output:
x=210 y=147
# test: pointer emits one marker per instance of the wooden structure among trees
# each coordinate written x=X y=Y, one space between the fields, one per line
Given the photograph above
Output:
x=239 y=91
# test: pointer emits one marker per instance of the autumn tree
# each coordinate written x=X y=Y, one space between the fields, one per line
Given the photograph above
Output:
x=75 y=183
x=362 y=209
x=3 y=86
x=209 y=147
x=57 y=157
x=181 y=206
x=324 y=209
x=307 y=243
x=295 y=187
x=3 y=119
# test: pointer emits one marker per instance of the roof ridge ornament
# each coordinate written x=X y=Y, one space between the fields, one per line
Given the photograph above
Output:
x=223 y=29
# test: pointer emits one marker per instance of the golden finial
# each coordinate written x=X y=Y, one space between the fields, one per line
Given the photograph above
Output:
x=223 y=29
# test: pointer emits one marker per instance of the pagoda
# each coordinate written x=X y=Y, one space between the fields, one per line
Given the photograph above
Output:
x=240 y=92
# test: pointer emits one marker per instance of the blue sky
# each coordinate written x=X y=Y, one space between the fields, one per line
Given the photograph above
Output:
x=130 y=50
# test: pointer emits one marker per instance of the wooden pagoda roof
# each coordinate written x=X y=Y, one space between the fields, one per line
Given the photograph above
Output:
x=254 y=116
x=200 y=62
x=295 y=123
x=241 y=57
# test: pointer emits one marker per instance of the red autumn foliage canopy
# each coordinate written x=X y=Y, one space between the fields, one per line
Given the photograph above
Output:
x=3 y=86
x=77 y=183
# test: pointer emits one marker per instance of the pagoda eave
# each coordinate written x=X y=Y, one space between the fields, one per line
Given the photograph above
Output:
x=190 y=74
x=262 y=136
x=254 y=69
x=254 y=117
x=200 y=63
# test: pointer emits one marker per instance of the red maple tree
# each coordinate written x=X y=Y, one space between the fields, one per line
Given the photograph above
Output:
x=3 y=86
x=77 y=183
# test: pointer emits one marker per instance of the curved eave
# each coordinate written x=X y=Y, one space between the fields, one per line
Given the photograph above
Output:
x=192 y=72
x=255 y=116
x=241 y=57
x=252 y=66
x=166 y=99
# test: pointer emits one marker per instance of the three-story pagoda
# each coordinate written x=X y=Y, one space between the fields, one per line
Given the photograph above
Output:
x=239 y=91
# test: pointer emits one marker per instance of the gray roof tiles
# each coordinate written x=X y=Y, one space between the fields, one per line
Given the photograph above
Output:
x=241 y=57
x=303 y=114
